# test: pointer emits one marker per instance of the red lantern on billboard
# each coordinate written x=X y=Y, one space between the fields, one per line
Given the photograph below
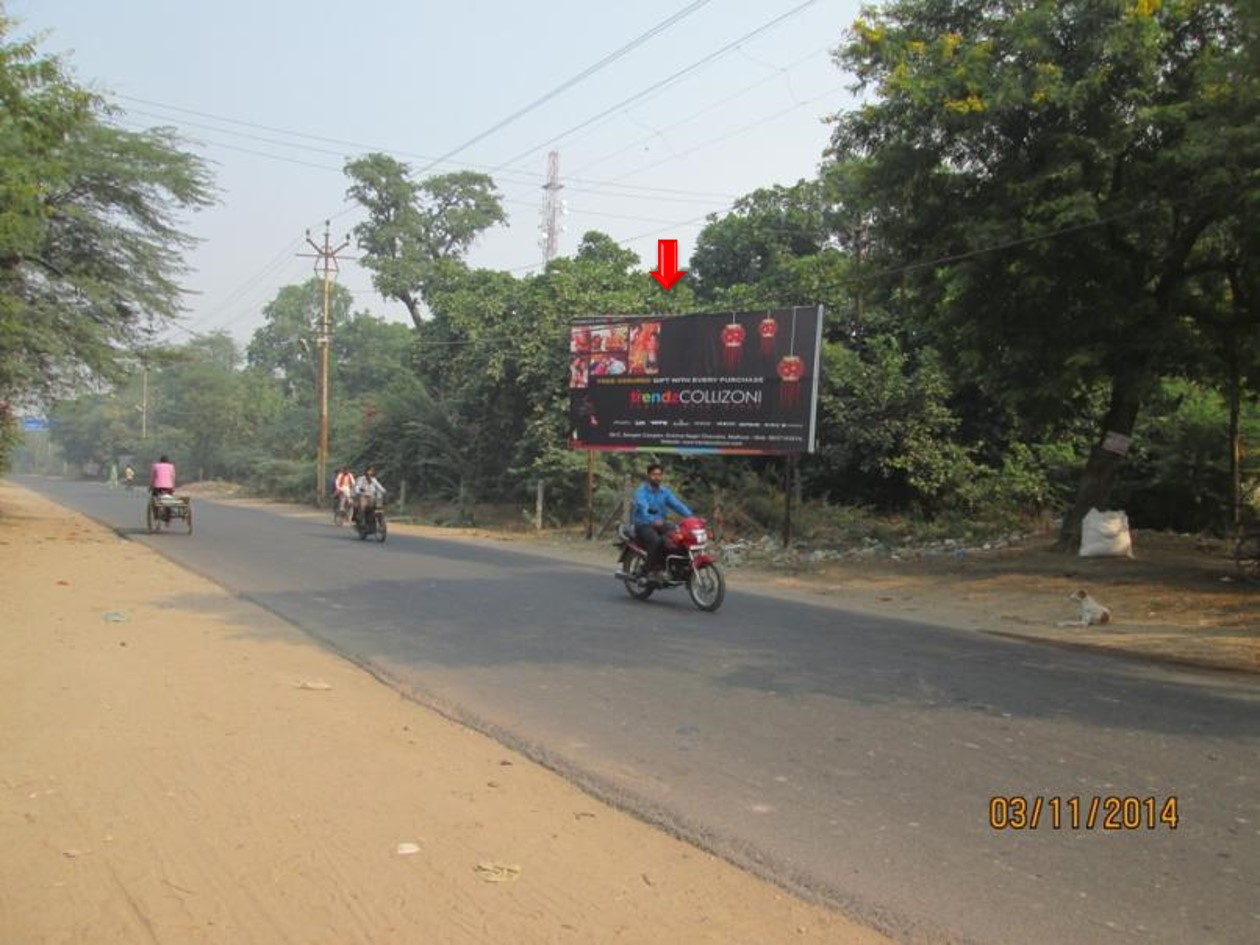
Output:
x=766 y=331
x=732 y=343
x=791 y=370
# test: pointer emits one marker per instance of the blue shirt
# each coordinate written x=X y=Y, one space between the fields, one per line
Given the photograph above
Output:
x=650 y=505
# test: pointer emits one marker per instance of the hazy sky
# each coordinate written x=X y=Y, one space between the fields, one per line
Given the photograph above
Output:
x=276 y=94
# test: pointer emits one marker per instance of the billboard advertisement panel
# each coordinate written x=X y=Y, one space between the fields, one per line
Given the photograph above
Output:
x=729 y=382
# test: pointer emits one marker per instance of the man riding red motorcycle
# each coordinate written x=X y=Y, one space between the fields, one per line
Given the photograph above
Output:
x=655 y=555
x=652 y=501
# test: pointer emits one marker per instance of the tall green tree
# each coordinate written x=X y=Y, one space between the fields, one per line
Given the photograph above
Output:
x=368 y=354
x=90 y=246
x=204 y=406
x=762 y=232
x=94 y=428
x=413 y=226
x=1060 y=163
x=285 y=347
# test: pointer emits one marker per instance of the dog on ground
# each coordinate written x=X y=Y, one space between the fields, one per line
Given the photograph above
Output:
x=1089 y=611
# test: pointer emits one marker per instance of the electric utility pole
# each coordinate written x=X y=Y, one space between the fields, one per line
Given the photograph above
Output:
x=326 y=262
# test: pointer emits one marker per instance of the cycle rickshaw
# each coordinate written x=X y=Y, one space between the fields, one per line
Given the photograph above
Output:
x=164 y=509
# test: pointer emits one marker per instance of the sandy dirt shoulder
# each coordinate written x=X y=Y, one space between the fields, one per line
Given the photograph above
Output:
x=177 y=766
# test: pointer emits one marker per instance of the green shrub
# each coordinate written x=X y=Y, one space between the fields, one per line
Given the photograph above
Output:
x=288 y=479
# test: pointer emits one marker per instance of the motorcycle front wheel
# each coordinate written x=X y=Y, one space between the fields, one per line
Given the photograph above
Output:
x=632 y=565
x=380 y=527
x=707 y=587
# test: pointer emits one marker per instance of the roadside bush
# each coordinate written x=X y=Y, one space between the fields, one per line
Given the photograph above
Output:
x=241 y=464
x=1176 y=475
x=1032 y=481
x=10 y=437
x=288 y=479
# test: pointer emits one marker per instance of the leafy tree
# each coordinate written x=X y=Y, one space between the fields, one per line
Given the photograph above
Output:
x=886 y=427
x=417 y=439
x=763 y=230
x=42 y=109
x=92 y=428
x=285 y=347
x=1062 y=161
x=203 y=406
x=89 y=244
x=413 y=226
x=1177 y=471
x=368 y=354
x=887 y=422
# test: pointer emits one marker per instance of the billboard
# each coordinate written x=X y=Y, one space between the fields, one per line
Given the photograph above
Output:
x=729 y=382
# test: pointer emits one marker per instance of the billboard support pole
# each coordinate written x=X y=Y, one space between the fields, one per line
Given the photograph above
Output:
x=590 y=494
x=789 y=489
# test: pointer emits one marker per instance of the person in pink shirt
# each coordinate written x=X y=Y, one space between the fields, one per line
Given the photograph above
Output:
x=162 y=477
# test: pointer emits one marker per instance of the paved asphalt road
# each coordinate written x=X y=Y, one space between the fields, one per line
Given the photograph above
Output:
x=848 y=757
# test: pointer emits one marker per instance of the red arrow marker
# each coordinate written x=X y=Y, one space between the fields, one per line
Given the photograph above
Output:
x=667 y=272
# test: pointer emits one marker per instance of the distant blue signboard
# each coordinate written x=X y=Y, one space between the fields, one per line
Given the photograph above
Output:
x=34 y=424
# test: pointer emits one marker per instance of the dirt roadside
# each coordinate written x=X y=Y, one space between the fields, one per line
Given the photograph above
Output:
x=179 y=766
x=1178 y=600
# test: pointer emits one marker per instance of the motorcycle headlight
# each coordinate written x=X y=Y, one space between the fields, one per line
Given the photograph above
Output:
x=699 y=536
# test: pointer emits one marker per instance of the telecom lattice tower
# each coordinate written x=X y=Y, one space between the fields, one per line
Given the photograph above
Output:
x=552 y=209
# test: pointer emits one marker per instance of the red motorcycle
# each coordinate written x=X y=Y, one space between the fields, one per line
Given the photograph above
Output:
x=687 y=561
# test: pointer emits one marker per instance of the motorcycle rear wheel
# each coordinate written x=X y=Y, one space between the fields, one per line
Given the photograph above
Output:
x=707 y=587
x=632 y=565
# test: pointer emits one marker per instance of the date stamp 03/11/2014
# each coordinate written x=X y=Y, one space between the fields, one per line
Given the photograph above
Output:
x=1110 y=812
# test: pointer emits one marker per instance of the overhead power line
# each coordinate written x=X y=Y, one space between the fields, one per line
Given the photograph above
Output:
x=524 y=178
x=354 y=145
x=264 y=139
x=781 y=72
x=569 y=83
x=677 y=155
x=662 y=83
